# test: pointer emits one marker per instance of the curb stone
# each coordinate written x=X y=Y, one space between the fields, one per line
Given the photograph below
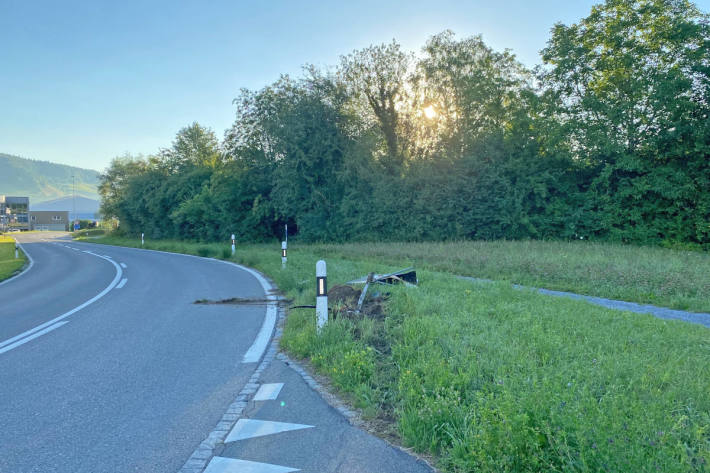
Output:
x=353 y=417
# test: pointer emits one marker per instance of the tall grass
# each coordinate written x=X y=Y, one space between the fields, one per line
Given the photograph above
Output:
x=669 y=278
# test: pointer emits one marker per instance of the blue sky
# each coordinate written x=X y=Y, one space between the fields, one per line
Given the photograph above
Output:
x=83 y=82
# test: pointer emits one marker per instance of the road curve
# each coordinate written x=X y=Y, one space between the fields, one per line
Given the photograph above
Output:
x=131 y=382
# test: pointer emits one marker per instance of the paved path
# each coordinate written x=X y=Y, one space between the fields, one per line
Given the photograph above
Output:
x=660 y=312
x=286 y=427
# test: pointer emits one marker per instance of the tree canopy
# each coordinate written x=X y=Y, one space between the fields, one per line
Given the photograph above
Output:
x=607 y=139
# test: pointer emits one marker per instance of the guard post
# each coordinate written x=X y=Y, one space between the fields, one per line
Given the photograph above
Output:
x=283 y=254
x=321 y=295
x=234 y=245
x=142 y=239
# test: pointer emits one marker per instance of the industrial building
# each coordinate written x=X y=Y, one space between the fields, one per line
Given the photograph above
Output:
x=49 y=220
x=14 y=213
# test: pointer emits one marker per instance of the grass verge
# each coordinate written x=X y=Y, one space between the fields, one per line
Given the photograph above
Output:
x=669 y=278
x=488 y=378
x=93 y=232
x=9 y=266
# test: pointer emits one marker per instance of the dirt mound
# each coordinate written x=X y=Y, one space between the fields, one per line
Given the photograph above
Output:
x=343 y=303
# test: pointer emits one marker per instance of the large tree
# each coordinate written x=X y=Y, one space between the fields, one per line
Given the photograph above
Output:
x=193 y=146
x=469 y=89
x=379 y=75
x=628 y=75
x=630 y=87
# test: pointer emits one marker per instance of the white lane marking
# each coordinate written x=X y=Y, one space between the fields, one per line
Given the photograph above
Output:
x=232 y=465
x=123 y=265
x=259 y=345
x=32 y=337
x=262 y=338
x=32 y=263
x=98 y=296
x=268 y=392
x=250 y=428
x=107 y=256
x=122 y=283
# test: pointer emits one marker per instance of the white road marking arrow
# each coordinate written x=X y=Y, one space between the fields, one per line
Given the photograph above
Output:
x=250 y=428
x=232 y=465
x=268 y=392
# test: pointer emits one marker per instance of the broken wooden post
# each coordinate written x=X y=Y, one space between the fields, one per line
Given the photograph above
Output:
x=361 y=300
x=321 y=295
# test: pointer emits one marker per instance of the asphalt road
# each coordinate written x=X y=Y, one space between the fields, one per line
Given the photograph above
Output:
x=131 y=382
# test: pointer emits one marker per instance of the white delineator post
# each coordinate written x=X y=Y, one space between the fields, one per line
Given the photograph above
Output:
x=321 y=295
x=142 y=238
x=234 y=246
x=283 y=254
x=16 y=253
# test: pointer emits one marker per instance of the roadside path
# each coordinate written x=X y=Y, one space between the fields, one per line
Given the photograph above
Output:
x=286 y=426
x=660 y=312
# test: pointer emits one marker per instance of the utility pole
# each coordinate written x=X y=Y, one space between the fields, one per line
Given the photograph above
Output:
x=73 y=206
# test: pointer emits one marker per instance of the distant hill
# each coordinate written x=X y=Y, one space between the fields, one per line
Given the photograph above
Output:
x=86 y=209
x=42 y=180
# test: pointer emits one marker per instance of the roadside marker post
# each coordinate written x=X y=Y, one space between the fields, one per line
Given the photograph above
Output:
x=283 y=254
x=142 y=239
x=16 y=248
x=234 y=246
x=321 y=295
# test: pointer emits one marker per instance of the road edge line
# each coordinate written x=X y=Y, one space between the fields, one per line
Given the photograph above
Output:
x=255 y=353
